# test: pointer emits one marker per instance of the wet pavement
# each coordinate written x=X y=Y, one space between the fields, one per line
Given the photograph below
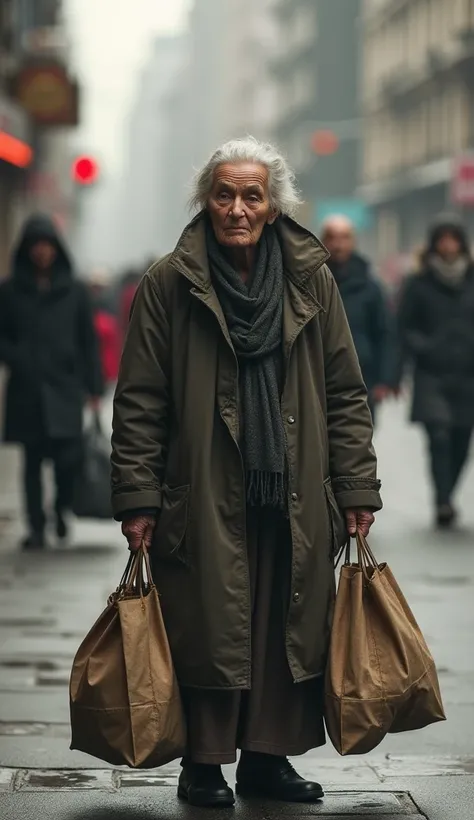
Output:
x=48 y=602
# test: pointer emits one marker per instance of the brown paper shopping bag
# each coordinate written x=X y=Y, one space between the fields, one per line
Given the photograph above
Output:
x=380 y=676
x=124 y=697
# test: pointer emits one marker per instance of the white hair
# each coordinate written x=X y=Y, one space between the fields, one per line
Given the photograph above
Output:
x=337 y=222
x=284 y=195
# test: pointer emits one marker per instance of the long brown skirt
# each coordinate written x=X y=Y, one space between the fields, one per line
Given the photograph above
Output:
x=276 y=716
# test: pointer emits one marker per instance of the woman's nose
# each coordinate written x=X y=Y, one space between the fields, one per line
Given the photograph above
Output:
x=237 y=209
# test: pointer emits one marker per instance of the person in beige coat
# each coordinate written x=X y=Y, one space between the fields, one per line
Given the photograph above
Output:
x=242 y=455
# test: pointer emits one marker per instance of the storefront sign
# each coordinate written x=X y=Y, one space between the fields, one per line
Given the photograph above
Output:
x=14 y=135
x=462 y=184
x=48 y=94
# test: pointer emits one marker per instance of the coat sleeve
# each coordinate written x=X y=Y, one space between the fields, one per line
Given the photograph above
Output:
x=352 y=461
x=141 y=405
x=89 y=345
x=9 y=350
x=415 y=343
x=383 y=334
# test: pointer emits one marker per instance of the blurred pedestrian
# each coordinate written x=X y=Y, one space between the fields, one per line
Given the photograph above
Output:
x=106 y=326
x=366 y=306
x=242 y=454
x=48 y=343
x=436 y=318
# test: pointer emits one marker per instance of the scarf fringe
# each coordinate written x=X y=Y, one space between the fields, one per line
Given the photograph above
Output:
x=266 y=489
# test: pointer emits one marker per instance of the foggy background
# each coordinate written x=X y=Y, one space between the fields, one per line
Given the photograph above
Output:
x=371 y=101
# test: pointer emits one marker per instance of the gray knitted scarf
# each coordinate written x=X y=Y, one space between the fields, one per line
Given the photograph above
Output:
x=452 y=274
x=254 y=314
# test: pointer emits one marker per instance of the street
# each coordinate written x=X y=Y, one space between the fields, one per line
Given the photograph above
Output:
x=49 y=601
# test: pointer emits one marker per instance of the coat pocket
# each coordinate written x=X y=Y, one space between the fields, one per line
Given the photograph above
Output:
x=337 y=521
x=169 y=538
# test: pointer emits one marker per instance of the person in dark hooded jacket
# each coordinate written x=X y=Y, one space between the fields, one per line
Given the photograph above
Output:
x=48 y=343
x=436 y=320
x=366 y=307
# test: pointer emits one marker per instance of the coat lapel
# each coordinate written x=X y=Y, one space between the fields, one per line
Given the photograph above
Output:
x=303 y=255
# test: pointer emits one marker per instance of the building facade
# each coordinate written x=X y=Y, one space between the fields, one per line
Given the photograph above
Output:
x=38 y=106
x=418 y=106
x=143 y=205
x=316 y=71
x=223 y=89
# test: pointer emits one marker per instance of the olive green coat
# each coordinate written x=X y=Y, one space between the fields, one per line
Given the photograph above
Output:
x=176 y=447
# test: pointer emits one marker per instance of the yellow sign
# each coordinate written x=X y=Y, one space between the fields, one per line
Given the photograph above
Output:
x=47 y=94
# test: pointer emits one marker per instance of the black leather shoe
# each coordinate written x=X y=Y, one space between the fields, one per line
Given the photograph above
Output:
x=204 y=786
x=274 y=778
x=61 y=528
x=34 y=541
x=445 y=516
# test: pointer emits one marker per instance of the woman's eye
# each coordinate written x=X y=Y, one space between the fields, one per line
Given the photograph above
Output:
x=253 y=198
x=224 y=197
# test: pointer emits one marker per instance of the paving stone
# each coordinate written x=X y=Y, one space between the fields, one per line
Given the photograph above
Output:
x=14 y=679
x=414 y=766
x=144 y=779
x=6 y=779
x=36 y=648
x=347 y=803
x=36 y=707
x=34 y=729
x=139 y=804
x=29 y=751
x=49 y=779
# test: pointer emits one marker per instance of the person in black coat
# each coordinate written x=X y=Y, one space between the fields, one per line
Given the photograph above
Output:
x=367 y=309
x=436 y=321
x=48 y=343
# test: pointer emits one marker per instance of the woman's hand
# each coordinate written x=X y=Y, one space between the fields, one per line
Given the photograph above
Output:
x=139 y=531
x=359 y=520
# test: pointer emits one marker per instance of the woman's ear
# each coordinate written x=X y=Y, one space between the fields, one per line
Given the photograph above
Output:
x=272 y=217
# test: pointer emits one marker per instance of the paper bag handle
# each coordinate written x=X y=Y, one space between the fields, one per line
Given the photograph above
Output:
x=365 y=557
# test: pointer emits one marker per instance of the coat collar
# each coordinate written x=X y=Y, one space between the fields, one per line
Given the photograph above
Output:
x=303 y=253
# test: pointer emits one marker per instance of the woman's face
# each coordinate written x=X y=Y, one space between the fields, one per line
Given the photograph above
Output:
x=239 y=204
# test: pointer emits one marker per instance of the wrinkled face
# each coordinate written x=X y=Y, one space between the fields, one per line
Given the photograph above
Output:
x=448 y=246
x=239 y=204
x=340 y=242
x=43 y=254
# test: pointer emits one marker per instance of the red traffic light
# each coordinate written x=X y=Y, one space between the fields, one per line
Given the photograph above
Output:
x=85 y=170
x=324 y=143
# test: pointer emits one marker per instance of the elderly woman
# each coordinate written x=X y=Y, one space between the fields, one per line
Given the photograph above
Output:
x=242 y=454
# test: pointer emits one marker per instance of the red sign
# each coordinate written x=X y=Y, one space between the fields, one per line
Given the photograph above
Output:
x=462 y=184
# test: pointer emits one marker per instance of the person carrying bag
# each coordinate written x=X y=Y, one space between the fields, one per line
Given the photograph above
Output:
x=380 y=677
x=125 y=702
x=92 y=493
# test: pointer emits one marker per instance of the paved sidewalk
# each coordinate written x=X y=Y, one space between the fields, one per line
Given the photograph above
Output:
x=48 y=602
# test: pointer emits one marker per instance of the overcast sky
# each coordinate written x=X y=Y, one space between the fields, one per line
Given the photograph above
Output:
x=110 y=41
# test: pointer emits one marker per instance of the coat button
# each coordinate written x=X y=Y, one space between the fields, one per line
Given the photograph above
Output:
x=296 y=597
x=294 y=496
x=291 y=419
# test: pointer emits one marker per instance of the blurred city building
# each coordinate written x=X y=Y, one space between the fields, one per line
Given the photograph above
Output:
x=38 y=106
x=252 y=32
x=417 y=97
x=316 y=70
x=143 y=203
x=224 y=88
